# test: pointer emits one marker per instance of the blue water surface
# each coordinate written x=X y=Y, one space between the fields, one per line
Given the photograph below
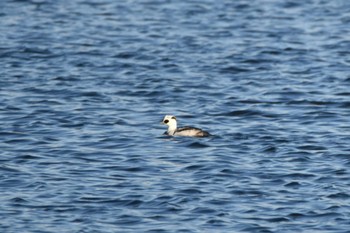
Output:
x=84 y=85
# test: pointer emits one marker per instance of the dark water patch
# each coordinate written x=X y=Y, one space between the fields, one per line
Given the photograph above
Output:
x=27 y=158
x=278 y=219
x=302 y=176
x=256 y=228
x=198 y=145
x=119 y=202
x=195 y=167
x=246 y=113
x=219 y=202
x=203 y=210
x=190 y=191
x=227 y=171
x=269 y=149
x=234 y=70
x=66 y=79
x=249 y=193
x=345 y=104
x=340 y=196
x=293 y=184
x=126 y=55
x=12 y=134
x=296 y=216
x=160 y=231
x=18 y=200
x=312 y=148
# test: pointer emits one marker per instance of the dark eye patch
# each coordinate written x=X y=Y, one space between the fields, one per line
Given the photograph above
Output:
x=166 y=121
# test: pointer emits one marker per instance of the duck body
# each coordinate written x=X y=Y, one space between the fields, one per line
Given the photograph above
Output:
x=183 y=131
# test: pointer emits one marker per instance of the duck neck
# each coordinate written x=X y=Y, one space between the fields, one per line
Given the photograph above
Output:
x=172 y=128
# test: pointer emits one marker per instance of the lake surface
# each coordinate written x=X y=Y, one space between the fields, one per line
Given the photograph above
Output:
x=84 y=85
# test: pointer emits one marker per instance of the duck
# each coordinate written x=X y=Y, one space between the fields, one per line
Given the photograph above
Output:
x=188 y=131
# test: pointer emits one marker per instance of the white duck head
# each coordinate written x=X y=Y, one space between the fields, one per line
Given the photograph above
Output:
x=171 y=122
